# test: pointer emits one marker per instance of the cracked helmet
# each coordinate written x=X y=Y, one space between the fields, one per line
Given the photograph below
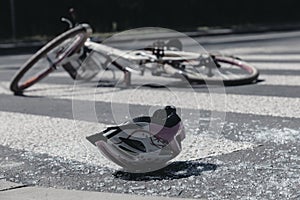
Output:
x=143 y=144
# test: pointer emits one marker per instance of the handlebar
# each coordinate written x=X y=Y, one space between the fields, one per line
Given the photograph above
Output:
x=72 y=22
x=63 y=19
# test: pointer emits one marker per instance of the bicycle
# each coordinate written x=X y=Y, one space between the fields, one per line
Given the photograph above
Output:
x=70 y=49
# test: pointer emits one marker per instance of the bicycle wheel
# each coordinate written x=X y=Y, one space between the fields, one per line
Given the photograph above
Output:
x=221 y=69
x=48 y=57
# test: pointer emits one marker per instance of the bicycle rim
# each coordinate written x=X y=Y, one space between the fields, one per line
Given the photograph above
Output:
x=48 y=58
x=225 y=69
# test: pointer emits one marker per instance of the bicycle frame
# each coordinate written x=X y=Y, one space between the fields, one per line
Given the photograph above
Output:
x=163 y=60
x=142 y=55
x=140 y=58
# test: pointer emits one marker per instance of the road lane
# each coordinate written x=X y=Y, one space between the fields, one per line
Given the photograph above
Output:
x=215 y=100
x=255 y=155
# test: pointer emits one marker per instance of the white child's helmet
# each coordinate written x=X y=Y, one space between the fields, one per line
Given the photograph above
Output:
x=145 y=143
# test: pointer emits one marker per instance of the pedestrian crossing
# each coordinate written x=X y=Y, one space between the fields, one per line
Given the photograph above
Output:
x=216 y=99
x=64 y=137
x=266 y=79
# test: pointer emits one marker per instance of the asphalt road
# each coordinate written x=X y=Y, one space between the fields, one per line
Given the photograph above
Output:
x=242 y=141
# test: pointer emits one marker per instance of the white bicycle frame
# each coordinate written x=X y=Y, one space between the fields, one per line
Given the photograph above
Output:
x=141 y=55
x=145 y=59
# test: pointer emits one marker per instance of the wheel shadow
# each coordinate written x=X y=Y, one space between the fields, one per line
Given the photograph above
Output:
x=120 y=87
x=181 y=84
x=176 y=170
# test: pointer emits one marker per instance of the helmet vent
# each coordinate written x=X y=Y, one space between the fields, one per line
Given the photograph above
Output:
x=128 y=150
x=134 y=144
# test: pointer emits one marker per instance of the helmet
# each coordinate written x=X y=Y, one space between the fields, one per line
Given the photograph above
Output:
x=145 y=143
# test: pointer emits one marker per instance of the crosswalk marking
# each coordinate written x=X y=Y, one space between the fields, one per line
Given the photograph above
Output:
x=66 y=138
x=247 y=37
x=259 y=105
x=267 y=79
x=282 y=80
x=272 y=57
x=277 y=66
x=248 y=104
x=7 y=66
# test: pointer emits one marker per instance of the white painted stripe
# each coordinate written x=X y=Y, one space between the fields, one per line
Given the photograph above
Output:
x=66 y=138
x=290 y=80
x=264 y=51
x=260 y=50
x=277 y=66
x=4 y=88
x=279 y=80
x=248 y=37
x=15 y=57
x=248 y=104
x=272 y=57
x=268 y=79
x=10 y=65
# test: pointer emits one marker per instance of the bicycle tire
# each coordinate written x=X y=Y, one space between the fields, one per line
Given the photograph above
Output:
x=82 y=30
x=251 y=73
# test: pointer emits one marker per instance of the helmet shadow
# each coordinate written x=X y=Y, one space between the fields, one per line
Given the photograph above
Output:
x=175 y=170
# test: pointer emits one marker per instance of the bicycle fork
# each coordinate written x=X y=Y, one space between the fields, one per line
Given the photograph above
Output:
x=127 y=74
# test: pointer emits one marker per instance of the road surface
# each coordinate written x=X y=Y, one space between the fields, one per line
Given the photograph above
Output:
x=244 y=146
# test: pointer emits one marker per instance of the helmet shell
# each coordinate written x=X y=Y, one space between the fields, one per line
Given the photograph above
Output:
x=160 y=145
x=145 y=143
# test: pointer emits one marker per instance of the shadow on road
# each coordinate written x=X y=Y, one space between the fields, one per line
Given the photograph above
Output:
x=175 y=170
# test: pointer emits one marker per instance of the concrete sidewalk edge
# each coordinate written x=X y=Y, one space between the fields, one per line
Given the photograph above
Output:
x=38 y=193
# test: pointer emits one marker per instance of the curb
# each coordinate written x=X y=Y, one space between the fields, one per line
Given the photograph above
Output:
x=38 y=193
